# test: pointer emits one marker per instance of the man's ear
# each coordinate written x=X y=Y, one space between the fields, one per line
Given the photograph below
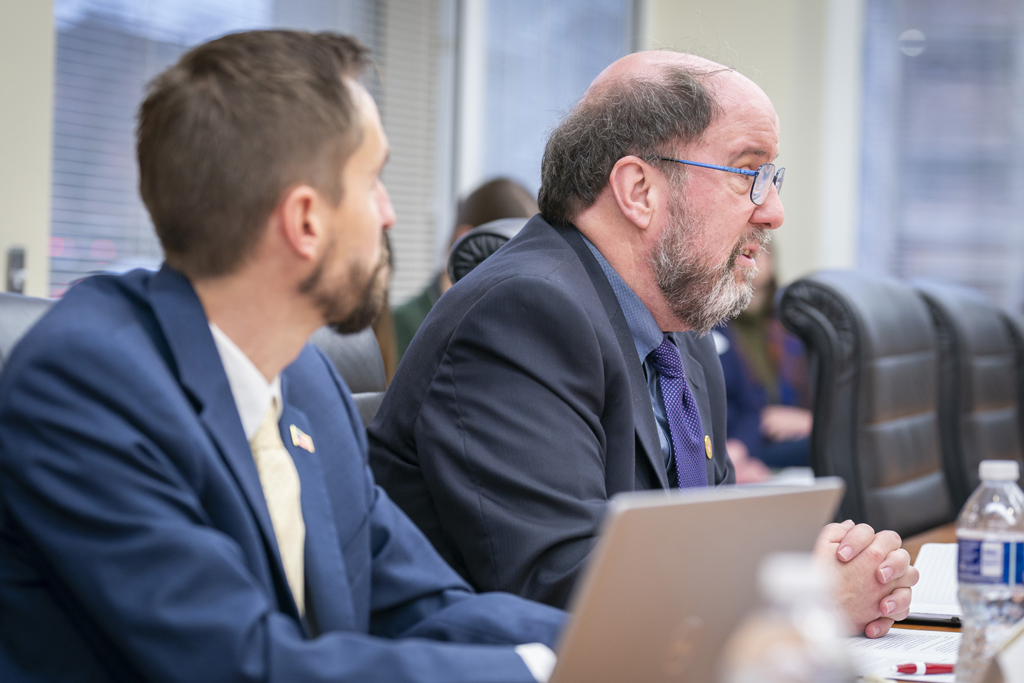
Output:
x=297 y=218
x=632 y=184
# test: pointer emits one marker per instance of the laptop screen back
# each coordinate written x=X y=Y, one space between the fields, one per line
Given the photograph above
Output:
x=674 y=573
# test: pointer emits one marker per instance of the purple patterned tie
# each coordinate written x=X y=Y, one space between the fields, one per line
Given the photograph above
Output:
x=683 y=416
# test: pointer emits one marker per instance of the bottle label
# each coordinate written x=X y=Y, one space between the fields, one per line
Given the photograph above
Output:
x=990 y=562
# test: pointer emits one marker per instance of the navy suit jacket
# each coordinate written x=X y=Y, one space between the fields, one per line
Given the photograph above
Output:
x=520 y=408
x=135 y=542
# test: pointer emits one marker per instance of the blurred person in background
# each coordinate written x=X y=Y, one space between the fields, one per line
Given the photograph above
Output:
x=495 y=199
x=766 y=384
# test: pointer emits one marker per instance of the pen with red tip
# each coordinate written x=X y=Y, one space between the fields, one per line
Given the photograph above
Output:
x=919 y=668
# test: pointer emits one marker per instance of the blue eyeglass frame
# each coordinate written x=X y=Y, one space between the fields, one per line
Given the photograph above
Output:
x=776 y=176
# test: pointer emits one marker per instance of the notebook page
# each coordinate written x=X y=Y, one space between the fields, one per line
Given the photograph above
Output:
x=936 y=592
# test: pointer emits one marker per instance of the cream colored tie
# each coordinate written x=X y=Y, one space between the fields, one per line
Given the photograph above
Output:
x=280 y=482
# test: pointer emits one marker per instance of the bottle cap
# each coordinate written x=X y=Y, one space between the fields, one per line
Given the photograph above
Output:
x=785 y=577
x=999 y=470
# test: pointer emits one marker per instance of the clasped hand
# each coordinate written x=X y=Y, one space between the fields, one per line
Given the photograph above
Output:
x=873 y=575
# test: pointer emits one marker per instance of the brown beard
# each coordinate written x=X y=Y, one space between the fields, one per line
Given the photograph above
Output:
x=342 y=310
x=700 y=294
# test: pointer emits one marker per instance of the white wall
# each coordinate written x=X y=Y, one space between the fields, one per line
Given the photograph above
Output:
x=26 y=136
x=806 y=55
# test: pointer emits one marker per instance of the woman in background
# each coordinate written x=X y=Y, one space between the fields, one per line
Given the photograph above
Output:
x=767 y=388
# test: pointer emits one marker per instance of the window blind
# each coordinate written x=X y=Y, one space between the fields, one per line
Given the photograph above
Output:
x=942 y=198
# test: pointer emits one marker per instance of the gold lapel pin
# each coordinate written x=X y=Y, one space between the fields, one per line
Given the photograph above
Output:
x=707 y=445
x=305 y=441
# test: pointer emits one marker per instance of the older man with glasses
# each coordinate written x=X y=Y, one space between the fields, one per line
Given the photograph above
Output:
x=575 y=363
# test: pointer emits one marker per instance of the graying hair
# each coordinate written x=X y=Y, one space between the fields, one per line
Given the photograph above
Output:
x=637 y=116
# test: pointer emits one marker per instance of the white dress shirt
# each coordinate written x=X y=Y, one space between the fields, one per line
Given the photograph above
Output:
x=250 y=389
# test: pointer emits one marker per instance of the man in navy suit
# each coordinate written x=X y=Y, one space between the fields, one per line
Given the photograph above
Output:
x=184 y=494
x=533 y=393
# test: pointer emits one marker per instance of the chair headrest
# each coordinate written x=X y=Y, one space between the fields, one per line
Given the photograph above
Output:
x=479 y=243
x=356 y=356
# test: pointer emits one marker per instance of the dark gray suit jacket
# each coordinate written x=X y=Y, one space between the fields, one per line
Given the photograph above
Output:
x=521 y=408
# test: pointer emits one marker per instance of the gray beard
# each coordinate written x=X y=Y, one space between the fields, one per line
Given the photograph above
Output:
x=700 y=294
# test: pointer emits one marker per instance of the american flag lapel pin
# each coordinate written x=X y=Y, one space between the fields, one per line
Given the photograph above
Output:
x=302 y=439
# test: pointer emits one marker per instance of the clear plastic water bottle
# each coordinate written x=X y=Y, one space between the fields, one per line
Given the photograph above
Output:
x=990 y=536
x=797 y=636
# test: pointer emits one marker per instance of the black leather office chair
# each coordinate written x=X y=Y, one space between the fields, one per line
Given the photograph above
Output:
x=874 y=366
x=981 y=358
x=17 y=314
x=479 y=243
x=358 y=360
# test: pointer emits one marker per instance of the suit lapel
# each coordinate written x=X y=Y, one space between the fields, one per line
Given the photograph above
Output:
x=695 y=377
x=329 y=595
x=201 y=373
x=643 y=413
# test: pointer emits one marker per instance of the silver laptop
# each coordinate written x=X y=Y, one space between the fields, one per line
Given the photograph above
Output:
x=673 y=574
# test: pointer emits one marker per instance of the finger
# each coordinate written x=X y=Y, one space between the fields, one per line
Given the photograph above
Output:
x=907 y=580
x=834 y=532
x=900 y=616
x=878 y=627
x=856 y=540
x=894 y=566
x=883 y=543
x=895 y=604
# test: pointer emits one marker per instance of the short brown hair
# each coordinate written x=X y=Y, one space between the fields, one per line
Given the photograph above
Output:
x=634 y=116
x=236 y=122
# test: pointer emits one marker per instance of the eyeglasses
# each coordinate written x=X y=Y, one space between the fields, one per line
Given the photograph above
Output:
x=763 y=174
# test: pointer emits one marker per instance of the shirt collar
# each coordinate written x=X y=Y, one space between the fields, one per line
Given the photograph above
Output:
x=644 y=329
x=252 y=393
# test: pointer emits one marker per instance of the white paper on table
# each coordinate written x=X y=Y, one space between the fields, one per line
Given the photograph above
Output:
x=936 y=592
x=904 y=646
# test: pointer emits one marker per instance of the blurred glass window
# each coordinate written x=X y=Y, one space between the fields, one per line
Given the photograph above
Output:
x=541 y=56
x=942 y=190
